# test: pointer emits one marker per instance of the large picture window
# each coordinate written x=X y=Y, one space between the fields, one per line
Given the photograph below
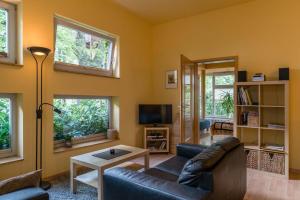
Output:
x=7 y=32
x=83 y=50
x=219 y=89
x=7 y=125
x=81 y=117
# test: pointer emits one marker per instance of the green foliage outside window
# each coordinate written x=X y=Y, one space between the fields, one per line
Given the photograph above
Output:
x=81 y=117
x=3 y=31
x=208 y=96
x=79 y=48
x=4 y=123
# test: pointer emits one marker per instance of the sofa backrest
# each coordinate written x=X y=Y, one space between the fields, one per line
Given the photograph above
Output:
x=199 y=171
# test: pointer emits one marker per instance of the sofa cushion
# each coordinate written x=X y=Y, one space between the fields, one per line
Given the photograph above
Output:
x=161 y=174
x=30 y=179
x=33 y=193
x=193 y=170
x=173 y=166
x=228 y=143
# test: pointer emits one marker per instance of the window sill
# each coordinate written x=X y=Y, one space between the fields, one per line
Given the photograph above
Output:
x=11 y=64
x=82 y=145
x=78 y=69
x=10 y=160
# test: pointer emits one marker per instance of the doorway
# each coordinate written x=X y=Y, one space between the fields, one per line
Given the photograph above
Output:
x=207 y=95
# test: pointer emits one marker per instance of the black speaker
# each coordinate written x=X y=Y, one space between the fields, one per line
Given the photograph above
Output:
x=242 y=76
x=284 y=74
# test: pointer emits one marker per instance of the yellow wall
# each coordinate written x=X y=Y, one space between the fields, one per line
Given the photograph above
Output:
x=265 y=34
x=132 y=88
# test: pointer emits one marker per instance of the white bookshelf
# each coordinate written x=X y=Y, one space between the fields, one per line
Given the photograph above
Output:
x=270 y=100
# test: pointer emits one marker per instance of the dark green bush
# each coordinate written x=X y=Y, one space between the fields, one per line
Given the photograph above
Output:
x=81 y=117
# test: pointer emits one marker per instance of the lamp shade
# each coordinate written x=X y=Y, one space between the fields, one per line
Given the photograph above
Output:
x=39 y=51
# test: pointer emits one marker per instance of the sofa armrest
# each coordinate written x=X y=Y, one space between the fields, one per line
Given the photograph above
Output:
x=121 y=183
x=189 y=150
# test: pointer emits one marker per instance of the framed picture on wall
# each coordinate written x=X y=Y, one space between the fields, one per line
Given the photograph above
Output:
x=171 y=79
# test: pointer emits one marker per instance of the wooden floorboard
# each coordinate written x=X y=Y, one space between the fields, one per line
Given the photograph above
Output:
x=260 y=185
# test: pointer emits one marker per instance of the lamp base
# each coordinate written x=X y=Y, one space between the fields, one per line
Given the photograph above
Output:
x=45 y=185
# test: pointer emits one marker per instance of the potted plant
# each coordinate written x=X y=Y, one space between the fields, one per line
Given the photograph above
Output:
x=68 y=140
x=227 y=104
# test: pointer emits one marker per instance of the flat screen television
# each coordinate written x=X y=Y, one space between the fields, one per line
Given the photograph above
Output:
x=155 y=114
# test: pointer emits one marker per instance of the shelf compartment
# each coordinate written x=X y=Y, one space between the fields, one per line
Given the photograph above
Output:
x=253 y=91
x=273 y=95
x=272 y=137
x=272 y=115
x=249 y=136
x=272 y=162
x=243 y=115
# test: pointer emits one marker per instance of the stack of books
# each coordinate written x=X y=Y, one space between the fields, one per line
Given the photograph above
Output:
x=274 y=125
x=274 y=147
x=244 y=97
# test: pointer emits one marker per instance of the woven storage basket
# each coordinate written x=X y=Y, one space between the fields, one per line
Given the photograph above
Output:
x=252 y=158
x=272 y=162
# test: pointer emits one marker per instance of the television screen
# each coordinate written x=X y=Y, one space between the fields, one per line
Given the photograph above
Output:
x=155 y=114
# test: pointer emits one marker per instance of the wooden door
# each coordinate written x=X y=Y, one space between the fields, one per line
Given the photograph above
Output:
x=189 y=107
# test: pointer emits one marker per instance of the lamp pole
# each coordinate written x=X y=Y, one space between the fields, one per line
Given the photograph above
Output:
x=40 y=52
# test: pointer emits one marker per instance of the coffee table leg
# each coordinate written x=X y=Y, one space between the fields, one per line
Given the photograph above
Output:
x=146 y=160
x=73 y=175
x=100 y=184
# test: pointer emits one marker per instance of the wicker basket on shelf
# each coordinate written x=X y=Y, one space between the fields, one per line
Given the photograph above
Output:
x=252 y=158
x=272 y=162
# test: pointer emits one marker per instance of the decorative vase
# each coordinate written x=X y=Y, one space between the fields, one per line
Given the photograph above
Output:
x=112 y=134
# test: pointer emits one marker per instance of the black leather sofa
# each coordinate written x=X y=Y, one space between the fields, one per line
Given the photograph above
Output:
x=217 y=172
x=31 y=193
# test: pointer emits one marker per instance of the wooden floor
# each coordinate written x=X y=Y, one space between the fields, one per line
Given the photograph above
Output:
x=260 y=186
x=266 y=187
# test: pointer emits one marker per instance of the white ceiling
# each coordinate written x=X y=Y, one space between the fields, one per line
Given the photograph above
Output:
x=159 y=11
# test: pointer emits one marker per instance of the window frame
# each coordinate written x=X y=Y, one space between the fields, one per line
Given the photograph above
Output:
x=61 y=66
x=12 y=151
x=11 y=36
x=89 y=138
x=214 y=87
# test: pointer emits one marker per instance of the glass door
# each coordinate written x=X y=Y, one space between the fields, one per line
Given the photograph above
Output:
x=189 y=115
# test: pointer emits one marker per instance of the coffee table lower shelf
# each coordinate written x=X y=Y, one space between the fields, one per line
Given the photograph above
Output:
x=91 y=178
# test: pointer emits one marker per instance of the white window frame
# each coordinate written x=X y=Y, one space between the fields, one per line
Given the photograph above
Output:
x=89 y=138
x=12 y=151
x=112 y=68
x=214 y=87
x=12 y=24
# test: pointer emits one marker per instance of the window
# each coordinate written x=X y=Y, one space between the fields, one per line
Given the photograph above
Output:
x=82 y=118
x=83 y=49
x=7 y=32
x=219 y=94
x=7 y=125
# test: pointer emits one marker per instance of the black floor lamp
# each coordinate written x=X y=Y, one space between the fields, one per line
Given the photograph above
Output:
x=40 y=53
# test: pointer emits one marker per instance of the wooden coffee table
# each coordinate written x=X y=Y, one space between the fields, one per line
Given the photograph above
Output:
x=95 y=177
